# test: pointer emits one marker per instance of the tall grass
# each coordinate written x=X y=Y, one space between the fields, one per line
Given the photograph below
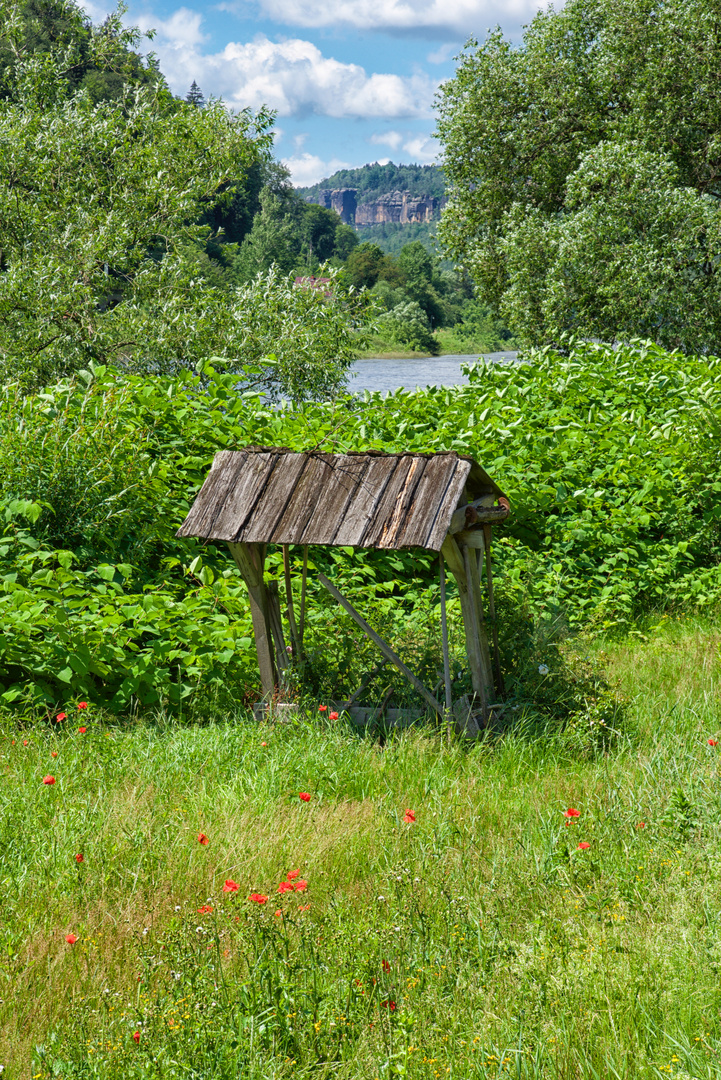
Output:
x=477 y=941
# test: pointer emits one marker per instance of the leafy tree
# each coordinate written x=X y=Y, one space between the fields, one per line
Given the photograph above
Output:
x=584 y=171
x=407 y=324
x=295 y=340
x=272 y=241
x=47 y=26
x=92 y=242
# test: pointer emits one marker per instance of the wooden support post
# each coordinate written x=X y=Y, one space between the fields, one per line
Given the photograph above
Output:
x=303 y=581
x=276 y=627
x=290 y=611
x=250 y=559
x=444 y=636
x=384 y=648
x=500 y=687
x=465 y=571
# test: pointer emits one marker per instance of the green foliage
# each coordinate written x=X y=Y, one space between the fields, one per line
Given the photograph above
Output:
x=34 y=27
x=92 y=243
x=583 y=172
x=374 y=180
x=391 y=236
x=407 y=324
x=293 y=236
x=609 y=458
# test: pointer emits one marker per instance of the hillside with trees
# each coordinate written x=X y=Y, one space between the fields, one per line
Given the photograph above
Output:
x=373 y=180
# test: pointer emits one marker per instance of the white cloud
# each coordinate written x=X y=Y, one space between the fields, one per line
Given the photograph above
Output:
x=292 y=76
x=307 y=169
x=422 y=148
x=418 y=147
x=444 y=53
x=459 y=17
x=393 y=139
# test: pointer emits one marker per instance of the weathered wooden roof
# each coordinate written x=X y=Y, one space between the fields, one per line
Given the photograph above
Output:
x=272 y=495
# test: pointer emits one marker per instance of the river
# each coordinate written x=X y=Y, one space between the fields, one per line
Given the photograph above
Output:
x=376 y=373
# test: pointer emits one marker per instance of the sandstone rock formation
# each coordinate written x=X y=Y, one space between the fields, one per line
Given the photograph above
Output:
x=395 y=206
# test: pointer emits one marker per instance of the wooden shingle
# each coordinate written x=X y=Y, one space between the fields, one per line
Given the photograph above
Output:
x=272 y=495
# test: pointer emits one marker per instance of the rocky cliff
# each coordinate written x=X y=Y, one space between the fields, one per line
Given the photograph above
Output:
x=395 y=206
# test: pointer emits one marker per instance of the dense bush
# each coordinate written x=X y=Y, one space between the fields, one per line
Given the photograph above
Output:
x=609 y=458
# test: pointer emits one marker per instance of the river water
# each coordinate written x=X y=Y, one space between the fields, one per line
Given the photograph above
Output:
x=376 y=373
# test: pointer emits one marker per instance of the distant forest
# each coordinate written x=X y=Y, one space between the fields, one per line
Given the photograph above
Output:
x=373 y=180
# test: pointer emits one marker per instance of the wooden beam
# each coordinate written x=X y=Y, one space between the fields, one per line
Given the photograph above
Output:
x=303 y=581
x=500 y=687
x=444 y=637
x=465 y=571
x=294 y=635
x=479 y=511
x=250 y=559
x=381 y=644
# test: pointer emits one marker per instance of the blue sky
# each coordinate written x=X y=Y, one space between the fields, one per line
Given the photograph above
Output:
x=352 y=81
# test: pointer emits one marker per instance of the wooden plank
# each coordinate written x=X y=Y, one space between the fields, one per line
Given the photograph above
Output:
x=212 y=495
x=444 y=637
x=372 y=483
x=384 y=648
x=270 y=508
x=391 y=493
x=250 y=563
x=428 y=499
x=474 y=593
x=437 y=533
x=241 y=498
x=290 y=610
x=500 y=685
x=333 y=498
x=302 y=503
x=389 y=537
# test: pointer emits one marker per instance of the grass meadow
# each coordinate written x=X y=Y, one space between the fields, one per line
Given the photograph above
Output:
x=478 y=940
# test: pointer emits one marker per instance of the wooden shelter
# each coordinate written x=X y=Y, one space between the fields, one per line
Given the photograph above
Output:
x=441 y=502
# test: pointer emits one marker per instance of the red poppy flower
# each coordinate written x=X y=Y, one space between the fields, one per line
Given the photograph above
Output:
x=386 y=966
x=71 y=938
x=48 y=779
x=82 y=730
x=332 y=715
x=231 y=886
x=258 y=898
x=60 y=717
x=82 y=704
x=53 y=753
x=205 y=909
x=389 y=1005
x=409 y=817
x=278 y=913
x=136 y=1036
x=304 y=796
x=292 y=874
x=79 y=858
x=301 y=886
x=285 y=886
x=641 y=825
x=571 y=813
x=713 y=742
x=203 y=839
x=584 y=845
x=25 y=742
x=264 y=744
x=322 y=708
